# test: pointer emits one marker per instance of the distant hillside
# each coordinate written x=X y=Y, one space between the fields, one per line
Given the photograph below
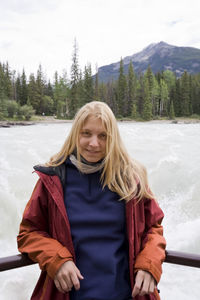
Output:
x=160 y=56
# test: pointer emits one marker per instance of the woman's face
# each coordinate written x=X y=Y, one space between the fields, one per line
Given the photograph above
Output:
x=92 y=140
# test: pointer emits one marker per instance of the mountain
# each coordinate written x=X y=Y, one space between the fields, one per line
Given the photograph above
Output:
x=160 y=56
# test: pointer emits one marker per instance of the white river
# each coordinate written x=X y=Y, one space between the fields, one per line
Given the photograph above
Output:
x=171 y=153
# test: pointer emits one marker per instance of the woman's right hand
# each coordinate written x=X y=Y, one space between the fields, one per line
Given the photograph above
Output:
x=68 y=275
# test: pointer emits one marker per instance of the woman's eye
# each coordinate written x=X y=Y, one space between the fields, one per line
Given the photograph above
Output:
x=103 y=136
x=85 y=133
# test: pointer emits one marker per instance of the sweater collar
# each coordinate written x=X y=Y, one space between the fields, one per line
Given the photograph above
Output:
x=84 y=166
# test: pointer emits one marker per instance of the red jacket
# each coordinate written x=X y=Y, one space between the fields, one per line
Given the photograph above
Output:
x=45 y=236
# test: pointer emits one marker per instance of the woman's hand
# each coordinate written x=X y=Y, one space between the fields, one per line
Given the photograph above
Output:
x=144 y=284
x=68 y=276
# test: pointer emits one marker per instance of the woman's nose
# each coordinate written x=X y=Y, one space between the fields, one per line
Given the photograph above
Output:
x=94 y=141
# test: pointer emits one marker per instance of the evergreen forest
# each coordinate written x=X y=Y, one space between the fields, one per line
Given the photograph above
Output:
x=144 y=96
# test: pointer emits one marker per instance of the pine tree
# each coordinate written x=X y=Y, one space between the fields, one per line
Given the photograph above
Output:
x=102 y=92
x=2 y=90
x=13 y=85
x=39 y=93
x=177 y=98
x=171 y=111
x=47 y=105
x=122 y=91
x=197 y=95
x=147 y=108
x=134 y=113
x=23 y=89
x=33 y=98
x=195 y=85
x=150 y=78
x=55 y=92
x=74 y=101
x=190 y=95
x=49 y=89
x=185 y=95
x=96 y=85
x=6 y=91
x=81 y=90
x=61 y=95
x=88 y=84
x=140 y=95
x=110 y=98
x=169 y=78
x=18 y=88
x=8 y=81
x=131 y=99
x=153 y=90
x=155 y=97
x=164 y=98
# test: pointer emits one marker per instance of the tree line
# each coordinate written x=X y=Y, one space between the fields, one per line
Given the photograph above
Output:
x=138 y=96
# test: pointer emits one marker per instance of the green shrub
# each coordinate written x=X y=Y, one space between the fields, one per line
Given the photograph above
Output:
x=26 y=111
x=195 y=116
x=2 y=118
x=12 y=108
x=3 y=109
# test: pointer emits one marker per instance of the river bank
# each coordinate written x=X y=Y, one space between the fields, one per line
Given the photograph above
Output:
x=43 y=119
x=51 y=119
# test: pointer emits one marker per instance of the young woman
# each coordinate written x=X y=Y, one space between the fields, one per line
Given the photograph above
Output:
x=92 y=223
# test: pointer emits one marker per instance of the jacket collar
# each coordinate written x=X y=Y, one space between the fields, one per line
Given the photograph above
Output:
x=52 y=171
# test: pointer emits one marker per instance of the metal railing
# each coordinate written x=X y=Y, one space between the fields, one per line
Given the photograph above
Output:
x=172 y=257
x=182 y=258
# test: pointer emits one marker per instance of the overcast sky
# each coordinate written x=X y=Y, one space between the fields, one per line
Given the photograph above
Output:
x=43 y=31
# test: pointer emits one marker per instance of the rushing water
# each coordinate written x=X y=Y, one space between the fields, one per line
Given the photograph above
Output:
x=171 y=153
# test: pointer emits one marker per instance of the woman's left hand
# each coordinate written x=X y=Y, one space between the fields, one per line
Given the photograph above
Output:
x=144 y=284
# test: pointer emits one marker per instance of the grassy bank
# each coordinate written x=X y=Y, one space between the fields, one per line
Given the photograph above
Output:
x=51 y=119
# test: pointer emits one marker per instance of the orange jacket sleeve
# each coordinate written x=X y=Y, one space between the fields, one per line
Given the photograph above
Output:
x=152 y=252
x=34 y=238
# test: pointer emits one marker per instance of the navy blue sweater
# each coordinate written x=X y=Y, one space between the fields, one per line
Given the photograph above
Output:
x=98 y=229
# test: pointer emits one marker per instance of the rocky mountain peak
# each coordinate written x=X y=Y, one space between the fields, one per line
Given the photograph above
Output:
x=160 y=56
x=160 y=48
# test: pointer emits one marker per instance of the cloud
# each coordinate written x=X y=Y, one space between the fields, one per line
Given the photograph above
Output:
x=28 y=6
x=5 y=45
x=174 y=22
x=43 y=31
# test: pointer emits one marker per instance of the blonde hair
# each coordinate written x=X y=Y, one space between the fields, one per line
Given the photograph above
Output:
x=122 y=174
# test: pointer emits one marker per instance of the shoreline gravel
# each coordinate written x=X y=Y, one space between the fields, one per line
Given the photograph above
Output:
x=50 y=120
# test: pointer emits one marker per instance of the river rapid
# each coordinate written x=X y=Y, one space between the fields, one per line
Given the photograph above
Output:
x=171 y=154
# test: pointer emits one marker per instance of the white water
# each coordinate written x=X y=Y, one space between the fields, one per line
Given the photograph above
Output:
x=171 y=153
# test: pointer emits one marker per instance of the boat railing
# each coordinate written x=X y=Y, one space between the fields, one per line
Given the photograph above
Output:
x=172 y=257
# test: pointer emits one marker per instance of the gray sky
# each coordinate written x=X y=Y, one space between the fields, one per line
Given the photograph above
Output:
x=43 y=31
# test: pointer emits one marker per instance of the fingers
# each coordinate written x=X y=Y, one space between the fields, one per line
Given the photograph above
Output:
x=75 y=281
x=75 y=276
x=57 y=284
x=152 y=286
x=63 y=284
x=144 y=283
x=68 y=276
x=79 y=274
x=138 y=283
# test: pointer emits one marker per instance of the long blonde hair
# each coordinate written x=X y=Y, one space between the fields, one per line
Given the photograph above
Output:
x=122 y=174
